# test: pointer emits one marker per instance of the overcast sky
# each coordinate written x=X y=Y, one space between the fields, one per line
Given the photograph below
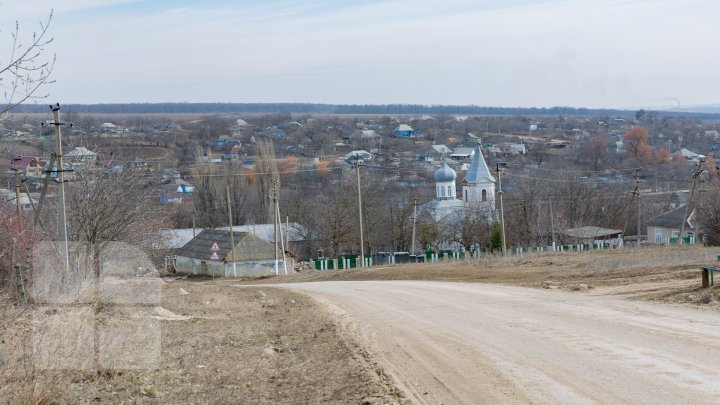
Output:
x=586 y=53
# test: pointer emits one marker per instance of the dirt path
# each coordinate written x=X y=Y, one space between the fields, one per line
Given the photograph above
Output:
x=483 y=343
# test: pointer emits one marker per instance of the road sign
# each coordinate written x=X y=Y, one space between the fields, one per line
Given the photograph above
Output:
x=215 y=247
x=214 y=256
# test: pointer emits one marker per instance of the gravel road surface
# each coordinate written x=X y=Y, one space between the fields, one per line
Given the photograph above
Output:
x=482 y=343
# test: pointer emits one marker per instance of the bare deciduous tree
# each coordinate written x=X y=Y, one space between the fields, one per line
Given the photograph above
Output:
x=709 y=209
x=267 y=172
x=210 y=195
x=331 y=218
x=595 y=150
x=20 y=228
x=27 y=67
x=109 y=207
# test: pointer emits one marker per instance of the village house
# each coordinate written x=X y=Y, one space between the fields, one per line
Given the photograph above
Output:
x=666 y=227
x=691 y=156
x=364 y=138
x=107 y=126
x=298 y=239
x=275 y=132
x=462 y=153
x=357 y=156
x=81 y=156
x=211 y=253
x=404 y=131
x=28 y=166
x=9 y=197
x=184 y=187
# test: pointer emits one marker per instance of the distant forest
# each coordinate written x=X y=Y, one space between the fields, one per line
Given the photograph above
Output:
x=309 y=108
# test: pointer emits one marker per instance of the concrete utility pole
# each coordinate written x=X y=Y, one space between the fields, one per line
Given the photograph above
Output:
x=230 y=222
x=17 y=192
x=360 y=212
x=61 y=187
x=637 y=173
x=275 y=227
x=46 y=181
x=27 y=193
x=414 y=220
x=282 y=240
x=696 y=175
x=502 y=211
x=552 y=221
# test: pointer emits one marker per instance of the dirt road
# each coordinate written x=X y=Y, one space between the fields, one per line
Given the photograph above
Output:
x=484 y=343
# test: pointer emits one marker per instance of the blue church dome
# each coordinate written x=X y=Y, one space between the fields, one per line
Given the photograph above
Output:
x=445 y=173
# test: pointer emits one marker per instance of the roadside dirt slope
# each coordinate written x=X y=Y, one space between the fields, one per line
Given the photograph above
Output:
x=219 y=345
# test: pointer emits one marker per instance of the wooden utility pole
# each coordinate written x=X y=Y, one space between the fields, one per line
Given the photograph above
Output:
x=193 y=219
x=360 y=213
x=696 y=175
x=502 y=211
x=414 y=221
x=632 y=199
x=46 y=181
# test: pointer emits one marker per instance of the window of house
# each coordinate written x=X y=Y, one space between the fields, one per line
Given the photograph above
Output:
x=484 y=195
x=449 y=191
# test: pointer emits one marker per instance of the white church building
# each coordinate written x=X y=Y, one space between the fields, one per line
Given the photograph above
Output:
x=478 y=191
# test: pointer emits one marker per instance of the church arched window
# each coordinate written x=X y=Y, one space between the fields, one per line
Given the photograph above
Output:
x=449 y=191
x=484 y=195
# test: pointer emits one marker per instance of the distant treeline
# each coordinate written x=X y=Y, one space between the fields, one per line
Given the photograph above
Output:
x=308 y=108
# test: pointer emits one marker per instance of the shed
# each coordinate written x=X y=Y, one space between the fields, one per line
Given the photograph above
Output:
x=210 y=253
x=593 y=234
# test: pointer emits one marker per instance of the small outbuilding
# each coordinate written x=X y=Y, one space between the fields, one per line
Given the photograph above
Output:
x=593 y=234
x=210 y=253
